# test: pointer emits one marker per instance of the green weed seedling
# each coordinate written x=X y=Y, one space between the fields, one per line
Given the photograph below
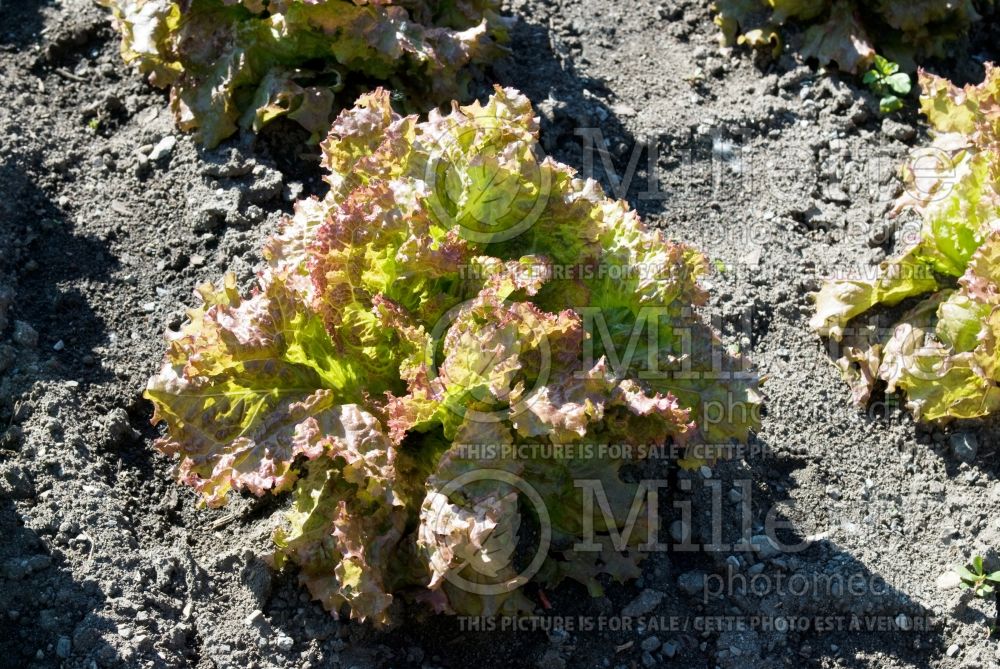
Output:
x=975 y=578
x=982 y=584
x=887 y=82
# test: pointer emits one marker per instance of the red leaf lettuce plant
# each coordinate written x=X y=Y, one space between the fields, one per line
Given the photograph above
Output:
x=242 y=63
x=441 y=344
x=943 y=352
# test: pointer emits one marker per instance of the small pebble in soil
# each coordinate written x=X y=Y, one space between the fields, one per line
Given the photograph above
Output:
x=25 y=335
x=163 y=148
x=17 y=569
x=948 y=581
x=141 y=166
x=267 y=184
x=643 y=604
x=898 y=131
x=680 y=532
x=858 y=114
x=766 y=549
x=953 y=650
x=119 y=428
x=691 y=582
x=964 y=446
x=11 y=437
x=669 y=649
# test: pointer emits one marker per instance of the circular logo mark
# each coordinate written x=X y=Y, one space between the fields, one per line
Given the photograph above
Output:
x=491 y=191
x=500 y=559
x=491 y=352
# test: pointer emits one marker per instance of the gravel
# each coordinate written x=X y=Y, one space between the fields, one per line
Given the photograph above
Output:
x=163 y=148
x=645 y=603
x=964 y=446
x=692 y=583
x=781 y=187
x=902 y=132
x=25 y=335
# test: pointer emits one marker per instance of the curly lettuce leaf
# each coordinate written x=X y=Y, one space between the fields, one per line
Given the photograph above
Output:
x=242 y=387
x=941 y=353
x=232 y=65
x=454 y=292
x=345 y=525
x=940 y=381
x=842 y=39
x=849 y=32
x=840 y=301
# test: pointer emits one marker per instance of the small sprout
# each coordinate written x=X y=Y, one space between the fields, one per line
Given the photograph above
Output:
x=93 y=124
x=983 y=585
x=975 y=578
x=720 y=266
x=886 y=81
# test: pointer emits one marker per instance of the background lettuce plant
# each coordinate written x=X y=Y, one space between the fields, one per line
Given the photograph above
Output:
x=242 y=63
x=850 y=32
x=454 y=295
x=943 y=353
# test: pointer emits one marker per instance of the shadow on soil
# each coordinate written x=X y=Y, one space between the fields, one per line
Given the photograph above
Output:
x=22 y=23
x=42 y=606
x=578 y=125
x=852 y=612
x=812 y=603
x=58 y=273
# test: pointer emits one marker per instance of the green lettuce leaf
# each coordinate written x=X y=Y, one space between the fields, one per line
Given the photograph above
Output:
x=232 y=65
x=849 y=32
x=454 y=298
x=942 y=353
x=243 y=386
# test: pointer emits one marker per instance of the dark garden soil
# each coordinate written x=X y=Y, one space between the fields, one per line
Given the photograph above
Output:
x=781 y=173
